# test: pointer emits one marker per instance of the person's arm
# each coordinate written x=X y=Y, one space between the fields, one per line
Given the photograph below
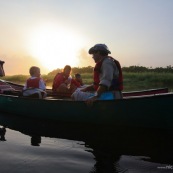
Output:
x=107 y=73
x=100 y=90
x=88 y=88
x=106 y=77
x=25 y=86
x=42 y=84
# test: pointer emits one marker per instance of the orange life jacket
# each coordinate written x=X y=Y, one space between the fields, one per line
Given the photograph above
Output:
x=33 y=83
x=58 y=80
x=76 y=83
x=117 y=84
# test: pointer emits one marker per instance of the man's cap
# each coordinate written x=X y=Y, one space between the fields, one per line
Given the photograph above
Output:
x=99 y=47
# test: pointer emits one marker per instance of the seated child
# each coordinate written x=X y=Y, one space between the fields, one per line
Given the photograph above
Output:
x=78 y=79
x=35 y=85
x=63 y=84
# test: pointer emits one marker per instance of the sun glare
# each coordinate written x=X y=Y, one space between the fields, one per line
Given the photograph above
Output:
x=54 y=47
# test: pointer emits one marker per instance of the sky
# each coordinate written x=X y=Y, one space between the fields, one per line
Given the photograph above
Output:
x=53 y=33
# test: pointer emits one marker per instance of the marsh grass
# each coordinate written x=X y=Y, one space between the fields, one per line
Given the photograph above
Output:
x=19 y=79
x=132 y=81
x=147 y=80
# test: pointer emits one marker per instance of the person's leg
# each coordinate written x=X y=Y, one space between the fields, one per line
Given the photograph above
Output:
x=62 y=88
x=81 y=96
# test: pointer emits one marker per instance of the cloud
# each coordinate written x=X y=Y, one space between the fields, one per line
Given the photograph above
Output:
x=84 y=59
x=19 y=64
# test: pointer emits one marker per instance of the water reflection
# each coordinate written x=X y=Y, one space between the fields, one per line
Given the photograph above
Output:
x=35 y=140
x=108 y=146
x=2 y=134
x=105 y=161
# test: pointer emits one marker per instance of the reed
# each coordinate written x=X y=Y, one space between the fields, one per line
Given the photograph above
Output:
x=147 y=80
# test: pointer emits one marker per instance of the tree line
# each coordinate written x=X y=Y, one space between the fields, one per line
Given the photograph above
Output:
x=130 y=69
x=140 y=69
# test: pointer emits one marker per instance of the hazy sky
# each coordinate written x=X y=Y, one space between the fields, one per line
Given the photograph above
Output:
x=53 y=33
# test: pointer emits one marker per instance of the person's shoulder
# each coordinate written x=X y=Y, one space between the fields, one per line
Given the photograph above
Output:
x=108 y=61
x=59 y=75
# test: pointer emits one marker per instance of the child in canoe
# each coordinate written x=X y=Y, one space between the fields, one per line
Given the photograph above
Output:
x=63 y=84
x=78 y=79
x=35 y=86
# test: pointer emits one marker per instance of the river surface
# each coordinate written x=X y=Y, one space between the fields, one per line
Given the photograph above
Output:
x=30 y=146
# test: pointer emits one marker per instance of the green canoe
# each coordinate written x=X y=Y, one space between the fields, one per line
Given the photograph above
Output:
x=154 y=111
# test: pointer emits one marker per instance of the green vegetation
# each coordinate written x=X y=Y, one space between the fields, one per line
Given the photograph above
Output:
x=147 y=80
x=19 y=79
x=135 y=77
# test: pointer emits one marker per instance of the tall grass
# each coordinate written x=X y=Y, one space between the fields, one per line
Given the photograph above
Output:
x=147 y=80
x=19 y=79
x=132 y=81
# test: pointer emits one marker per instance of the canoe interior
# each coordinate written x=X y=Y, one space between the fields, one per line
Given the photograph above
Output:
x=18 y=88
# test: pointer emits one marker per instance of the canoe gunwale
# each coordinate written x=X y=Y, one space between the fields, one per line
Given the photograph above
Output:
x=69 y=99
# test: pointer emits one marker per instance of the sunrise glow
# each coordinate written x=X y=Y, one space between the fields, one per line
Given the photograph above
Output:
x=54 y=46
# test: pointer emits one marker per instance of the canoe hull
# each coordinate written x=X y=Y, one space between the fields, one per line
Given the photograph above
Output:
x=152 y=111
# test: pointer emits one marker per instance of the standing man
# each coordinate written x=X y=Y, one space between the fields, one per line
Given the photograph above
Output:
x=108 y=79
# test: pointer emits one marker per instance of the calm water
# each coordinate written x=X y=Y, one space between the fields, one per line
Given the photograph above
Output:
x=47 y=147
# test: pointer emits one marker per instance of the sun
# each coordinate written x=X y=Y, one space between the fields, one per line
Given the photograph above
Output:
x=54 y=47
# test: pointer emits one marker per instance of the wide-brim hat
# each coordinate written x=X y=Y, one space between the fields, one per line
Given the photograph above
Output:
x=99 y=47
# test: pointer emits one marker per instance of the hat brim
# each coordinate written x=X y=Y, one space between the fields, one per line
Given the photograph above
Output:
x=93 y=50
